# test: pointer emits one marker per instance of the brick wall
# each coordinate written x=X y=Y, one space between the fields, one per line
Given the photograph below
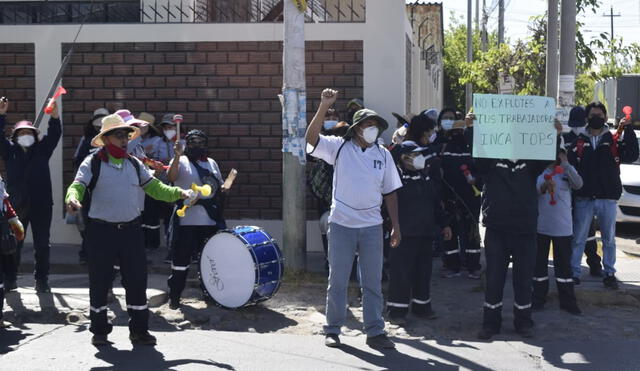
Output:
x=227 y=89
x=17 y=83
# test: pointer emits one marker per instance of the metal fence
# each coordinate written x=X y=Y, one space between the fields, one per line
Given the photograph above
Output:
x=174 y=11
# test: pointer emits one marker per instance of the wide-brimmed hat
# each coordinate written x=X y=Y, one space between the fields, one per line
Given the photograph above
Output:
x=24 y=124
x=111 y=123
x=146 y=116
x=128 y=117
x=363 y=115
x=357 y=101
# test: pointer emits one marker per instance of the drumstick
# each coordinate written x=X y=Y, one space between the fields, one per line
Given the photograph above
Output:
x=230 y=179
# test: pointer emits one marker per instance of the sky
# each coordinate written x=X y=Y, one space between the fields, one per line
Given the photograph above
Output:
x=518 y=12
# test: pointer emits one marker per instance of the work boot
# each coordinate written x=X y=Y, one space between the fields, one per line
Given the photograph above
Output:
x=142 y=338
x=174 y=303
x=610 y=282
x=42 y=286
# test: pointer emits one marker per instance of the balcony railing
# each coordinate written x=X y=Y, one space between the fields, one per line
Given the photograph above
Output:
x=173 y=11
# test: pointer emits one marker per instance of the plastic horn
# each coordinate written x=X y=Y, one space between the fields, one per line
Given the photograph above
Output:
x=557 y=170
x=181 y=213
x=49 y=108
x=204 y=190
x=469 y=177
x=178 y=120
x=627 y=110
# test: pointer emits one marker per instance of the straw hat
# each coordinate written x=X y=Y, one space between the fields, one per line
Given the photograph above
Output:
x=111 y=123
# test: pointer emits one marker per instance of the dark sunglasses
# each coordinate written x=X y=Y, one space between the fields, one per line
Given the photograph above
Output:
x=120 y=134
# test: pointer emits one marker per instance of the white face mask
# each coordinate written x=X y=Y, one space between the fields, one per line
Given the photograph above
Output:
x=418 y=162
x=446 y=124
x=370 y=134
x=432 y=138
x=330 y=124
x=26 y=140
x=170 y=134
x=578 y=131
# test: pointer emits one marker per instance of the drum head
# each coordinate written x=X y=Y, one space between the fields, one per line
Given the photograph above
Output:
x=227 y=270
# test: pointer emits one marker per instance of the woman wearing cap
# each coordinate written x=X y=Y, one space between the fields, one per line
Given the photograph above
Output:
x=114 y=231
x=91 y=129
x=29 y=185
x=422 y=219
x=355 y=222
x=461 y=195
x=202 y=220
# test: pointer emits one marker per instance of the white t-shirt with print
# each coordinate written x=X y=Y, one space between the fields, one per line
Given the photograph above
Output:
x=360 y=179
x=187 y=175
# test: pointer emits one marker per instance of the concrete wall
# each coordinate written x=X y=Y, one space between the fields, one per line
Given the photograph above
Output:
x=383 y=56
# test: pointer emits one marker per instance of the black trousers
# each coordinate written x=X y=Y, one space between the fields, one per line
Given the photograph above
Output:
x=107 y=244
x=499 y=246
x=154 y=210
x=465 y=237
x=561 y=265
x=3 y=258
x=591 y=250
x=189 y=242
x=410 y=276
x=40 y=220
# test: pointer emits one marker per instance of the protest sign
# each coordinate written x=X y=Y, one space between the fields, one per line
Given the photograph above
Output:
x=514 y=127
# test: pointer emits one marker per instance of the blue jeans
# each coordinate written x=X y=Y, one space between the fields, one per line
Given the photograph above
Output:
x=343 y=244
x=584 y=211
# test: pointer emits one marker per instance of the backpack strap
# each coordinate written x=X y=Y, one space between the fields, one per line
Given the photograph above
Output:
x=95 y=170
x=136 y=165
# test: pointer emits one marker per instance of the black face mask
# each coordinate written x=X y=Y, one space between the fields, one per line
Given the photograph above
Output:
x=596 y=122
x=195 y=152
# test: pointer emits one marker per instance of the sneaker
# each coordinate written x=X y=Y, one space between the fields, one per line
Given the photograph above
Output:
x=487 y=333
x=4 y=324
x=10 y=286
x=525 y=331
x=142 y=338
x=450 y=274
x=610 y=282
x=332 y=341
x=474 y=275
x=576 y=281
x=42 y=287
x=571 y=308
x=380 y=342
x=99 y=340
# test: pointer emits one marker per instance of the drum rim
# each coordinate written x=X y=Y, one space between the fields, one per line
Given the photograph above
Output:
x=252 y=300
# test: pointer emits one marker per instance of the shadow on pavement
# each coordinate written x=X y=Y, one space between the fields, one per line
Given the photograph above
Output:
x=393 y=359
x=145 y=358
x=11 y=336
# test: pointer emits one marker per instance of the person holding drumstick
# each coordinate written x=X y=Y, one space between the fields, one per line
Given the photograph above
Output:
x=355 y=222
x=114 y=229
x=201 y=220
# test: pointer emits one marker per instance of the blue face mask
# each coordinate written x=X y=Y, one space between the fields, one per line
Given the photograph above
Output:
x=446 y=124
x=330 y=124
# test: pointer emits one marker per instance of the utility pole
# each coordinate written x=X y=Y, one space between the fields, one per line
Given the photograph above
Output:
x=484 y=38
x=551 y=86
x=477 y=15
x=294 y=211
x=567 y=81
x=469 y=87
x=500 y=21
x=611 y=15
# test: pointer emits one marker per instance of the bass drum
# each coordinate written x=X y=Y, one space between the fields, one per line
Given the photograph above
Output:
x=241 y=266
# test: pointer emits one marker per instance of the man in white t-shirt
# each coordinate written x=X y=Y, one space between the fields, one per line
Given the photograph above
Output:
x=364 y=175
x=202 y=220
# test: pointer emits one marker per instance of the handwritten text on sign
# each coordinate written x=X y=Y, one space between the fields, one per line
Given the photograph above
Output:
x=514 y=127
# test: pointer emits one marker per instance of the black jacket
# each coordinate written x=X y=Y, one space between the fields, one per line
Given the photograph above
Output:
x=419 y=205
x=458 y=194
x=28 y=176
x=509 y=195
x=598 y=167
